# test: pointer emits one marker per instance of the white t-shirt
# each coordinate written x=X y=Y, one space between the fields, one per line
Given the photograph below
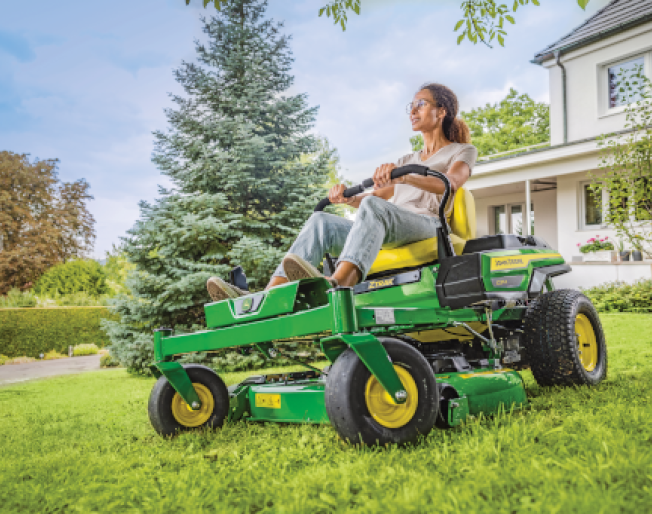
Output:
x=420 y=201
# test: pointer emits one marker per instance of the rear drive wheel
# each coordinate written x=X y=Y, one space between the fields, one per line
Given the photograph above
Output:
x=363 y=412
x=564 y=342
x=170 y=414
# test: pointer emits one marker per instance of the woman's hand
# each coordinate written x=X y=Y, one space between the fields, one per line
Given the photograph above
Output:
x=336 y=194
x=383 y=176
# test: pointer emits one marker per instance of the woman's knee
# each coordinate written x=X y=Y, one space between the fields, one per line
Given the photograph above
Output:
x=372 y=205
x=318 y=218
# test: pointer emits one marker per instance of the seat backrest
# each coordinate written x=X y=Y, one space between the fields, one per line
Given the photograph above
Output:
x=463 y=219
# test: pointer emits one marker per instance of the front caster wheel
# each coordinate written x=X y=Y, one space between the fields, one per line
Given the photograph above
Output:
x=170 y=414
x=361 y=410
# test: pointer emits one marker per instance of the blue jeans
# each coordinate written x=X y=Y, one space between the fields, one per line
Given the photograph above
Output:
x=379 y=224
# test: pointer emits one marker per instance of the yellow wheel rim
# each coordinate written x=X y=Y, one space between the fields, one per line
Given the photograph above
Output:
x=193 y=418
x=587 y=344
x=383 y=409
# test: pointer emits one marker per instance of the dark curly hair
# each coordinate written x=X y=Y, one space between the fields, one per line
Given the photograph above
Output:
x=455 y=129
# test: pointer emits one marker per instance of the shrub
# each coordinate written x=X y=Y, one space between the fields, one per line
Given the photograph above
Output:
x=35 y=331
x=85 y=349
x=117 y=267
x=79 y=299
x=72 y=277
x=15 y=298
x=622 y=297
x=53 y=355
x=3 y=359
x=20 y=360
x=107 y=361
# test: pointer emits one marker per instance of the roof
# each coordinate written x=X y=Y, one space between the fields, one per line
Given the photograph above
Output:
x=617 y=16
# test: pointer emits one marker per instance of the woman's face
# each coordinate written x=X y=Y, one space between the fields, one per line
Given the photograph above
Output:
x=424 y=115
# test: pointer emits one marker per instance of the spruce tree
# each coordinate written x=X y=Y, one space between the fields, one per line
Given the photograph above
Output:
x=236 y=152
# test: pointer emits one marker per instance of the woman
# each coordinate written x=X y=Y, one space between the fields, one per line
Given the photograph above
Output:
x=396 y=213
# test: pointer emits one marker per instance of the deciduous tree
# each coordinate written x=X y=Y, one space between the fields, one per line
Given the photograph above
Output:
x=42 y=221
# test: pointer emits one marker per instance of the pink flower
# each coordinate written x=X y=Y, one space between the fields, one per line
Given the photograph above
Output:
x=605 y=238
x=578 y=244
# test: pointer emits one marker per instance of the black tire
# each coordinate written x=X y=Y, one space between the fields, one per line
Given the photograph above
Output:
x=160 y=407
x=346 y=402
x=551 y=341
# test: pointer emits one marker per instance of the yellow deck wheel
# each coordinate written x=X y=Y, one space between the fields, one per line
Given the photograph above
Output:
x=193 y=418
x=383 y=409
x=587 y=344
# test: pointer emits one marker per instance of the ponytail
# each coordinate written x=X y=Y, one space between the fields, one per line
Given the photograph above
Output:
x=459 y=131
x=455 y=129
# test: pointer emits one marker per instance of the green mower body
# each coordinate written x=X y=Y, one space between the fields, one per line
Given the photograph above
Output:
x=410 y=349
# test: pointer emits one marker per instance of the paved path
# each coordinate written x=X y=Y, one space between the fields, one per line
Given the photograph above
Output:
x=16 y=373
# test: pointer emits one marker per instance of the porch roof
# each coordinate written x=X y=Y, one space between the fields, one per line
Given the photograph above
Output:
x=574 y=157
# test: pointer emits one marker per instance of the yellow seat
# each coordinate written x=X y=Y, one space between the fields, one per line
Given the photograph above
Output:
x=462 y=225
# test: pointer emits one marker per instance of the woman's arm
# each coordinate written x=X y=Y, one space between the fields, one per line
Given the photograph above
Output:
x=335 y=195
x=458 y=174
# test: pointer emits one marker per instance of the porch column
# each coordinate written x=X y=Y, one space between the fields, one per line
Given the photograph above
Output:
x=528 y=202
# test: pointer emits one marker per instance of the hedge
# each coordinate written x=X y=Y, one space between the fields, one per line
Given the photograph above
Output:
x=31 y=332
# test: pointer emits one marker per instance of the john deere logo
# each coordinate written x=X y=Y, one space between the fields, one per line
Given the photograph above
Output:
x=381 y=283
x=521 y=261
x=247 y=303
x=509 y=261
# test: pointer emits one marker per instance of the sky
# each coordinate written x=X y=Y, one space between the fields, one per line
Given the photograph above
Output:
x=87 y=82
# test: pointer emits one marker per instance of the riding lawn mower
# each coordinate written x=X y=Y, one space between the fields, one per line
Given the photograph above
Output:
x=437 y=332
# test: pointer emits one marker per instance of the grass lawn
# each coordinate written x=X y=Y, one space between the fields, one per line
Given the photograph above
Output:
x=84 y=443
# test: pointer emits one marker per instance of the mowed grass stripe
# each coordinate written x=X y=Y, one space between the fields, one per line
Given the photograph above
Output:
x=84 y=443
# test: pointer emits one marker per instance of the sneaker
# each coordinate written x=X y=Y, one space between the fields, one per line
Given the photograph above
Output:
x=219 y=289
x=297 y=268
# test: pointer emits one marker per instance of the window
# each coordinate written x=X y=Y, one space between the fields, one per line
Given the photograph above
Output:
x=592 y=207
x=500 y=220
x=616 y=74
x=508 y=219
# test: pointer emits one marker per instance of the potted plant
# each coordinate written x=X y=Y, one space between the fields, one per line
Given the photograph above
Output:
x=624 y=254
x=598 y=250
x=637 y=254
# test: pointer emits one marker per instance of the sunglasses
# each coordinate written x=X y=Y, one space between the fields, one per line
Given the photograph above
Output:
x=417 y=104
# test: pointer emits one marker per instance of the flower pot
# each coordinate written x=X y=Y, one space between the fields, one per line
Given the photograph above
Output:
x=601 y=256
x=624 y=255
x=637 y=255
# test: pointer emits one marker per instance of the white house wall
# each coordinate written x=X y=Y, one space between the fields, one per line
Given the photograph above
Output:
x=586 y=275
x=585 y=101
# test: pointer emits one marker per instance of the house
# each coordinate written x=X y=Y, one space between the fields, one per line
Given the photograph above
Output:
x=552 y=181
